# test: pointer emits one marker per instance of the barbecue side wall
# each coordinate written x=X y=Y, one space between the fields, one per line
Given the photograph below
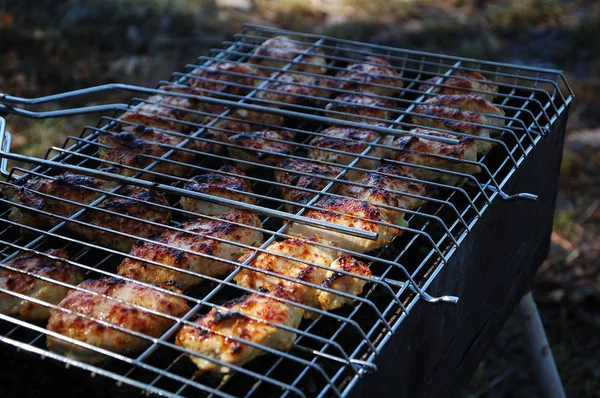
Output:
x=438 y=347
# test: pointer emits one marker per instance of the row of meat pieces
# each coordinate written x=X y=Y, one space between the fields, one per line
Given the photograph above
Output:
x=167 y=117
x=129 y=214
x=146 y=133
x=138 y=146
x=124 y=316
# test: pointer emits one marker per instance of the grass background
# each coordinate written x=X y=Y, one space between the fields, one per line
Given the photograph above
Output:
x=51 y=46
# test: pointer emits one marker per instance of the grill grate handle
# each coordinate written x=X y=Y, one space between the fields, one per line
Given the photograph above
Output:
x=8 y=102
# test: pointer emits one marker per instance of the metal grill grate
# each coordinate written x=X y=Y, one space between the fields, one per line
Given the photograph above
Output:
x=332 y=350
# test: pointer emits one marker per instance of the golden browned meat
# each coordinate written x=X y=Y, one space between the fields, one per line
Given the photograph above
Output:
x=302 y=248
x=358 y=107
x=278 y=51
x=463 y=82
x=261 y=147
x=421 y=151
x=73 y=187
x=471 y=103
x=352 y=142
x=352 y=213
x=139 y=203
x=226 y=77
x=243 y=318
x=307 y=263
x=218 y=184
x=19 y=282
x=202 y=236
x=374 y=74
x=343 y=283
x=454 y=119
x=383 y=187
x=294 y=88
x=302 y=174
x=131 y=146
x=119 y=303
x=155 y=111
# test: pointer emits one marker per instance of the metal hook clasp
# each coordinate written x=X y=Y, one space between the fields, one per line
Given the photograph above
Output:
x=517 y=196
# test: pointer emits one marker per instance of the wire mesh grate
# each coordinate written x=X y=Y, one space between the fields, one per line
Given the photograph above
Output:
x=330 y=350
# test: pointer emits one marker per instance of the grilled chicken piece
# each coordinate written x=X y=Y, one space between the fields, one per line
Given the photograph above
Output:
x=243 y=318
x=118 y=303
x=453 y=119
x=73 y=187
x=213 y=110
x=357 y=107
x=221 y=130
x=294 y=88
x=343 y=283
x=310 y=271
x=139 y=203
x=237 y=121
x=302 y=174
x=255 y=118
x=463 y=82
x=374 y=75
x=136 y=117
x=226 y=77
x=381 y=188
x=261 y=147
x=352 y=142
x=303 y=249
x=20 y=282
x=176 y=107
x=200 y=237
x=279 y=51
x=158 y=109
x=353 y=213
x=218 y=184
x=132 y=145
x=471 y=103
x=424 y=152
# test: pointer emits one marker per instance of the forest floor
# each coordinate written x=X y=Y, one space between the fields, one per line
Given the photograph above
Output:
x=52 y=46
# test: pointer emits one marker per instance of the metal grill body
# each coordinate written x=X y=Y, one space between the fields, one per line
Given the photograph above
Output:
x=475 y=241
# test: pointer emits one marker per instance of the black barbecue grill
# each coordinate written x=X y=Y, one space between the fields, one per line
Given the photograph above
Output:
x=438 y=293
